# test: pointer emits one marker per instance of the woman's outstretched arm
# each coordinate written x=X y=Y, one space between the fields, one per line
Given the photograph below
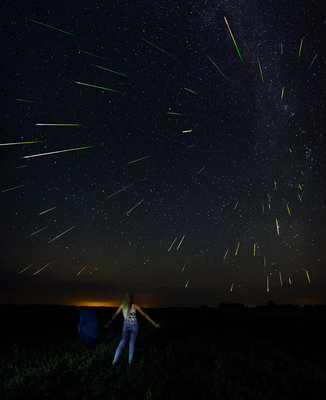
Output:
x=146 y=316
x=113 y=317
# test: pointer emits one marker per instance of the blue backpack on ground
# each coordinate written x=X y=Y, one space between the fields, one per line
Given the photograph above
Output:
x=88 y=327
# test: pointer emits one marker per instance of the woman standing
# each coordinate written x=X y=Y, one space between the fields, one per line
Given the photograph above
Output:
x=130 y=325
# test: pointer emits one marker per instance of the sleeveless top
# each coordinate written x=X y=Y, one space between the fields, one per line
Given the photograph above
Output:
x=132 y=316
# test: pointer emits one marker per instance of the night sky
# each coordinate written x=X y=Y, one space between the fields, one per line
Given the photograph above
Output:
x=226 y=200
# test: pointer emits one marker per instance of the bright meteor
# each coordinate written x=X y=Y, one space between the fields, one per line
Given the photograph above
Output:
x=135 y=206
x=46 y=211
x=41 y=269
x=61 y=234
x=226 y=21
x=58 y=124
x=97 y=87
x=57 y=152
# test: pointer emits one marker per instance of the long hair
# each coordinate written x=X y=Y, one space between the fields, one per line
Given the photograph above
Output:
x=126 y=304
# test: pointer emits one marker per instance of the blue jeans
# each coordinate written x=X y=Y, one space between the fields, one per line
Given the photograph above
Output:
x=128 y=330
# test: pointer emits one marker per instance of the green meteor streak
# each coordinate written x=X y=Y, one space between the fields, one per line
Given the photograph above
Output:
x=138 y=159
x=282 y=93
x=281 y=48
x=288 y=208
x=52 y=27
x=191 y=91
x=300 y=48
x=233 y=38
x=217 y=67
x=90 y=54
x=156 y=47
x=97 y=87
x=261 y=72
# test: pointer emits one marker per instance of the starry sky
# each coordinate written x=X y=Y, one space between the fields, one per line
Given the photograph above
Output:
x=201 y=177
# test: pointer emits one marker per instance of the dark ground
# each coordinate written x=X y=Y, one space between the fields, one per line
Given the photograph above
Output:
x=272 y=352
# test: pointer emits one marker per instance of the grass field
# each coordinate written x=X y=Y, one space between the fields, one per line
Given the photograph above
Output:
x=264 y=353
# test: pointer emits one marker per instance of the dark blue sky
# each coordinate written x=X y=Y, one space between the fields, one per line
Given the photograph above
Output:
x=251 y=161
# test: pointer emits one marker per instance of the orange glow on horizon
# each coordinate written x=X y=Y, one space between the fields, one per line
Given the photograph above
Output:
x=85 y=303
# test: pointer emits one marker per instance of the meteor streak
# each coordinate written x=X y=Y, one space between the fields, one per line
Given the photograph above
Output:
x=12 y=144
x=187 y=283
x=183 y=268
x=267 y=284
x=135 y=206
x=281 y=280
x=50 y=209
x=78 y=273
x=20 y=272
x=217 y=67
x=57 y=152
x=201 y=169
x=281 y=48
x=173 y=113
x=261 y=72
x=40 y=230
x=138 y=159
x=52 y=27
x=236 y=252
x=236 y=205
x=97 y=87
x=159 y=48
x=41 y=269
x=308 y=277
x=231 y=288
x=282 y=93
x=172 y=244
x=61 y=234
x=189 y=130
x=180 y=242
x=90 y=54
x=287 y=206
x=226 y=21
x=255 y=245
x=25 y=101
x=300 y=48
x=13 y=188
x=119 y=191
x=191 y=91
x=277 y=226
x=58 y=124
x=110 y=70
x=312 y=61
x=226 y=253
